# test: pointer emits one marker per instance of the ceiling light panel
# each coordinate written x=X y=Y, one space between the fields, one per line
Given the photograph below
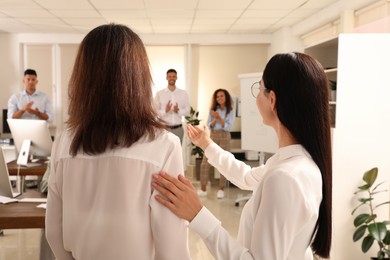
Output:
x=13 y=26
x=118 y=4
x=16 y=4
x=223 y=4
x=171 y=4
x=171 y=14
x=24 y=13
x=218 y=13
x=214 y=21
x=277 y=4
x=75 y=13
x=67 y=4
x=114 y=15
x=88 y=23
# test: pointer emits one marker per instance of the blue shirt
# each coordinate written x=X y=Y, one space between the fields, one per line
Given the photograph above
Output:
x=229 y=119
x=19 y=100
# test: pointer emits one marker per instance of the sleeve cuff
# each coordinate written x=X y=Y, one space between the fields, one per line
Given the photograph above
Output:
x=204 y=223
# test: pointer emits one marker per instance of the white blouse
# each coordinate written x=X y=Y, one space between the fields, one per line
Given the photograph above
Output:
x=278 y=221
x=103 y=206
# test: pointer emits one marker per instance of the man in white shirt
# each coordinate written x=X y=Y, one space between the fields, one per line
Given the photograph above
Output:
x=172 y=104
x=30 y=103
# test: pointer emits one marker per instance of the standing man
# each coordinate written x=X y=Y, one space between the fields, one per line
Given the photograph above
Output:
x=172 y=104
x=30 y=103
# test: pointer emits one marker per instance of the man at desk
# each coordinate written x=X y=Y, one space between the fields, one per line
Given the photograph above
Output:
x=30 y=103
x=33 y=104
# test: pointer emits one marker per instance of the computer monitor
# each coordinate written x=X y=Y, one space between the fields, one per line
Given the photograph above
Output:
x=5 y=133
x=6 y=129
x=37 y=131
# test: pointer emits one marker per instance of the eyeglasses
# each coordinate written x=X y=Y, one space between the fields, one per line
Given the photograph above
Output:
x=255 y=89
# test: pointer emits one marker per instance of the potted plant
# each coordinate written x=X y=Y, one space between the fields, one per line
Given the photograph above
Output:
x=367 y=225
x=192 y=119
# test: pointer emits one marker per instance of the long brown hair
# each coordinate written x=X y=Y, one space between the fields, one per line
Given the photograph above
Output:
x=228 y=98
x=110 y=93
x=302 y=92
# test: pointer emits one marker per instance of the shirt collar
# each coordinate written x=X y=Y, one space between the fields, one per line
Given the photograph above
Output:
x=36 y=93
x=291 y=151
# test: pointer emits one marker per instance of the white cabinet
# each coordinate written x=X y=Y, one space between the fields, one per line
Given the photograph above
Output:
x=361 y=139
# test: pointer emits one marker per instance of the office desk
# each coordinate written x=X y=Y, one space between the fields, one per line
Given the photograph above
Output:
x=23 y=214
x=27 y=171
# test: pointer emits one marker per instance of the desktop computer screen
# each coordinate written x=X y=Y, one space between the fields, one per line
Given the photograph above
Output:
x=36 y=131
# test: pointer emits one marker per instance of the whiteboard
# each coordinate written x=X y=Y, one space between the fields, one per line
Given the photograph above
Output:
x=255 y=136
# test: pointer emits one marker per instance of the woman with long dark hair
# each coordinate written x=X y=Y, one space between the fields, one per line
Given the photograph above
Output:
x=289 y=214
x=100 y=203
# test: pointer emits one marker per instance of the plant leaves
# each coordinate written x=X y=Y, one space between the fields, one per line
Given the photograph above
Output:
x=353 y=211
x=370 y=176
x=361 y=219
x=377 y=186
x=363 y=188
x=377 y=230
x=364 y=200
x=377 y=206
x=367 y=243
x=386 y=240
x=359 y=233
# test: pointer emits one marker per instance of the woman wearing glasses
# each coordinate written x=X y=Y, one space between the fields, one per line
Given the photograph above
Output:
x=219 y=122
x=289 y=214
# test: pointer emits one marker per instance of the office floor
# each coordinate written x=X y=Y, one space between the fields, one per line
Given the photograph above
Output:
x=22 y=244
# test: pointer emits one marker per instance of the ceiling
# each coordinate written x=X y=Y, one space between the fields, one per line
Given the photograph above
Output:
x=156 y=16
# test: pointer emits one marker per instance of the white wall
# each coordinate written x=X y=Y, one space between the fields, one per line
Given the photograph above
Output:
x=284 y=40
x=11 y=80
x=361 y=137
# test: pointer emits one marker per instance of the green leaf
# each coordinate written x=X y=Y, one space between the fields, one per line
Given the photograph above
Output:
x=377 y=186
x=370 y=176
x=377 y=206
x=363 y=188
x=359 y=233
x=361 y=219
x=386 y=240
x=367 y=243
x=377 y=230
x=353 y=211
x=380 y=255
x=364 y=200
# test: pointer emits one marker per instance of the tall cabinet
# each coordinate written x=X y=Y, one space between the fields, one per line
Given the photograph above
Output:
x=361 y=138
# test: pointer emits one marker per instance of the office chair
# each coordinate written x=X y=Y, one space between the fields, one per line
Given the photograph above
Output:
x=246 y=198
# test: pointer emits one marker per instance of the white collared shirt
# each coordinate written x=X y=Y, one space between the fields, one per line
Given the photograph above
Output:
x=41 y=101
x=278 y=220
x=104 y=207
x=178 y=96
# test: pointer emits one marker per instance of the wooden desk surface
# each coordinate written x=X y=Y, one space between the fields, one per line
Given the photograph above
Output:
x=24 y=171
x=23 y=214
